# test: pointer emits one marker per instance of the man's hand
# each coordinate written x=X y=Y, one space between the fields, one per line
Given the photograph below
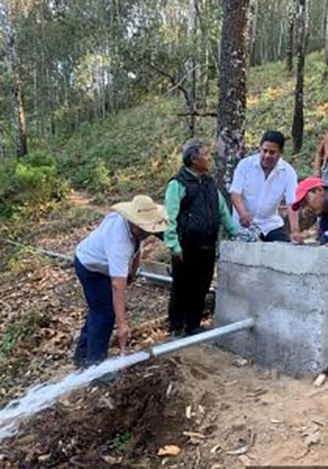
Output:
x=124 y=335
x=296 y=237
x=245 y=219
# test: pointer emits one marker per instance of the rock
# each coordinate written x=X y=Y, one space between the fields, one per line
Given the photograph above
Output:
x=169 y=450
x=319 y=381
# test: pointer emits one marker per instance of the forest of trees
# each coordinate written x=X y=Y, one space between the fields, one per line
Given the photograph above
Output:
x=64 y=62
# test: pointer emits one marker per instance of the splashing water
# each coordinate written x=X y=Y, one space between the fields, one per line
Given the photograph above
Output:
x=44 y=395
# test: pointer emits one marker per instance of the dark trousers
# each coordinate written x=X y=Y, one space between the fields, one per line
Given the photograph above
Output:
x=92 y=345
x=191 y=282
x=323 y=227
x=279 y=234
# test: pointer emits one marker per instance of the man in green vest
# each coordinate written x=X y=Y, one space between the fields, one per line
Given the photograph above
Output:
x=196 y=209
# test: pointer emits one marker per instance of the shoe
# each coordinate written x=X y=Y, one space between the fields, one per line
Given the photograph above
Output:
x=176 y=333
x=196 y=330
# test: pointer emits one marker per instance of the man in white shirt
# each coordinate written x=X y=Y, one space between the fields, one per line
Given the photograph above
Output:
x=103 y=262
x=259 y=184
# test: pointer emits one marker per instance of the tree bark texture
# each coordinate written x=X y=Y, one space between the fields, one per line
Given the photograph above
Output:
x=291 y=32
x=326 y=32
x=298 y=122
x=17 y=98
x=232 y=82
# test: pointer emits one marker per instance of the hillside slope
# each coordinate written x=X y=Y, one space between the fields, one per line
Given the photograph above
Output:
x=138 y=149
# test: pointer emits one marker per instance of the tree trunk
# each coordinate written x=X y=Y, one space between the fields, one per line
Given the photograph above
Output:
x=232 y=99
x=2 y=144
x=191 y=65
x=291 y=31
x=298 y=123
x=326 y=33
x=17 y=98
x=253 y=30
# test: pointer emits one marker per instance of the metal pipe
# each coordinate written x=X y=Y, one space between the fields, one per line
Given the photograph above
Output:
x=42 y=396
x=162 y=278
x=151 y=276
x=179 y=344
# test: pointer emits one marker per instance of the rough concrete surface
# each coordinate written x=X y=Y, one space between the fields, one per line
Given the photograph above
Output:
x=284 y=288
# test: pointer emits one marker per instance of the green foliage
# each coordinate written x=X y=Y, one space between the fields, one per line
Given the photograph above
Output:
x=22 y=260
x=31 y=185
x=136 y=150
x=120 y=441
x=94 y=176
x=271 y=105
x=21 y=331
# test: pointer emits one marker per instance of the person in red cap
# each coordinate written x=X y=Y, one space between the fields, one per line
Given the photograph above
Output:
x=312 y=193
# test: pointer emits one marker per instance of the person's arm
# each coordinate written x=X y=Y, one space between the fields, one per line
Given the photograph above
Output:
x=321 y=156
x=119 y=251
x=236 y=191
x=295 y=235
x=290 y=195
x=225 y=216
x=239 y=204
x=173 y=196
x=118 y=289
x=134 y=267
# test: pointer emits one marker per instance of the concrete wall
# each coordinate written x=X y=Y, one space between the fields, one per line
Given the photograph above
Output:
x=284 y=288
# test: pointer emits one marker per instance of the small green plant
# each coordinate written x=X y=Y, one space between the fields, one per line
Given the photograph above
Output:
x=31 y=186
x=23 y=330
x=120 y=441
x=23 y=260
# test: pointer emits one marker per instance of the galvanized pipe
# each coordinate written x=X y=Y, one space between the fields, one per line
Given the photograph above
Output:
x=179 y=344
x=151 y=276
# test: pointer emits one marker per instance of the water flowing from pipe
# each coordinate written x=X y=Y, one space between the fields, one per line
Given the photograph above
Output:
x=44 y=395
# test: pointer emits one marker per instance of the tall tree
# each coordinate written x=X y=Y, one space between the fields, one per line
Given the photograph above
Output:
x=232 y=98
x=291 y=32
x=254 y=14
x=326 y=32
x=14 y=70
x=298 y=122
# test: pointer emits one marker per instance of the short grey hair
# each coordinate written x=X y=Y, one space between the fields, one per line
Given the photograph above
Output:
x=191 y=151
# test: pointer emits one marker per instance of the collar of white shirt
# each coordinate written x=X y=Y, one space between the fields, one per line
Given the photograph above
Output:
x=280 y=166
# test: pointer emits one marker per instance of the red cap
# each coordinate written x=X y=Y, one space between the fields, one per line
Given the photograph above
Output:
x=304 y=187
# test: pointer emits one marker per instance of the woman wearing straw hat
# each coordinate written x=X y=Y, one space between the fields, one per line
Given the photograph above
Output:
x=103 y=261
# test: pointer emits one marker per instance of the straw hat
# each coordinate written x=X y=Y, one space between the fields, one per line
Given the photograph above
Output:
x=143 y=212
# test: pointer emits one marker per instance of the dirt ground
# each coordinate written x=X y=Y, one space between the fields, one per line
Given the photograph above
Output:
x=216 y=410
x=200 y=408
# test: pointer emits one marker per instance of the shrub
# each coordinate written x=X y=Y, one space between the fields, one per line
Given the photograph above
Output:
x=94 y=176
x=31 y=185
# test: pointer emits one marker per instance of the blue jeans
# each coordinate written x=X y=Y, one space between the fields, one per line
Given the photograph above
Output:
x=92 y=345
x=323 y=224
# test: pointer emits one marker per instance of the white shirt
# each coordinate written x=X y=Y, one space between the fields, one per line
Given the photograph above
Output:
x=108 y=249
x=262 y=196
